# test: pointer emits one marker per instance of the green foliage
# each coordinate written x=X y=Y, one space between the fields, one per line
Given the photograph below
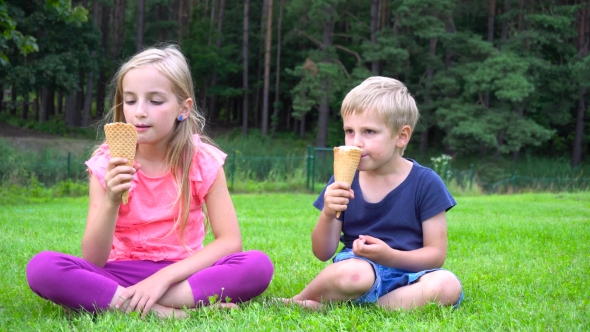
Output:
x=24 y=44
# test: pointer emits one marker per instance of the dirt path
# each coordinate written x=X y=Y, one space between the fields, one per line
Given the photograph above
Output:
x=32 y=140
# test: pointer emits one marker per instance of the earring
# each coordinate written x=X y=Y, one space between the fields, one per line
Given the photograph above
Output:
x=180 y=118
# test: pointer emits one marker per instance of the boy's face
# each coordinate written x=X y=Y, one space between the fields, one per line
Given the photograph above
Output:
x=369 y=132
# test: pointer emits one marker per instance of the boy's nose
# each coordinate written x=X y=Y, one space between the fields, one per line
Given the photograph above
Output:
x=358 y=141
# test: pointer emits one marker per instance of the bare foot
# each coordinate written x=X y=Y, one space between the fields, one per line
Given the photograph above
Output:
x=307 y=304
x=227 y=306
x=167 y=312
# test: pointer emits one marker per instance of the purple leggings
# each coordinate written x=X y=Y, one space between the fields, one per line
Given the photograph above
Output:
x=73 y=282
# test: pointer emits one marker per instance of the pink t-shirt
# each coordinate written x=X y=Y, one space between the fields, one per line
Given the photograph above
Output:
x=144 y=226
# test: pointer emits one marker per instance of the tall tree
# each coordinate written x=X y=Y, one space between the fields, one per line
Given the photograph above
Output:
x=140 y=20
x=245 y=68
x=267 y=48
x=324 y=109
x=374 y=29
x=213 y=112
x=582 y=43
x=277 y=104
x=118 y=27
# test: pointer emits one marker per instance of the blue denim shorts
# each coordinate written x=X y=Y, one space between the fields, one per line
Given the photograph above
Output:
x=387 y=278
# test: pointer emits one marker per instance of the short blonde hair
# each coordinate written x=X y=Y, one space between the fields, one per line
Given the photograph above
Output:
x=389 y=97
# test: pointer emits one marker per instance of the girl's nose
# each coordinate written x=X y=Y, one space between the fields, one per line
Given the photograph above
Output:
x=140 y=109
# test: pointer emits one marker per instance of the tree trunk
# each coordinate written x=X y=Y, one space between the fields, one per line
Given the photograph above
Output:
x=583 y=27
x=1 y=97
x=324 y=109
x=579 y=133
x=118 y=27
x=181 y=19
x=302 y=126
x=140 y=20
x=277 y=108
x=245 y=65
x=50 y=103
x=13 y=100
x=491 y=18
x=102 y=73
x=79 y=106
x=70 y=109
x=268 y=43
x=260 y=65
x=505 y=25
x=44 y=102
x=88 y=100
x=25 y=113
x=213 y=105
x=374 y=29
x=212 y=20
x=36 y=105
x=60 y=100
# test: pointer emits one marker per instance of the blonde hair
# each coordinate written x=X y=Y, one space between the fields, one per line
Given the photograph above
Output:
x=170 y=62
x=388 y=97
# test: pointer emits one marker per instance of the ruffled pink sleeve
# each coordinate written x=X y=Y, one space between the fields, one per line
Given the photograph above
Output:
x=97 y=164
x=206 y=164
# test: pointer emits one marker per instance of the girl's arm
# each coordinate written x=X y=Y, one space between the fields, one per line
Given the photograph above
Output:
x=103 y=209
x=326 y=234
x=431 y=255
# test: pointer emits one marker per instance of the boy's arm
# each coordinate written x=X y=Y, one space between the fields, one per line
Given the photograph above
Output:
x=431 y=255
x=326 y=234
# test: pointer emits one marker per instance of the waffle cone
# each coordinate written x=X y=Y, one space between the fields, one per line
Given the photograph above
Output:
x=122 y=141
x=346 y=161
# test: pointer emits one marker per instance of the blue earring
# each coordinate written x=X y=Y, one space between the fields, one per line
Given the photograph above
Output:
x=180 y=118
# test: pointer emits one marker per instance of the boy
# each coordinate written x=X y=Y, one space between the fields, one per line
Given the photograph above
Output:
x=393 y=223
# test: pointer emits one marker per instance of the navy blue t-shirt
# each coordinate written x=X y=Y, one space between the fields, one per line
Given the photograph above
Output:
x=397 y=219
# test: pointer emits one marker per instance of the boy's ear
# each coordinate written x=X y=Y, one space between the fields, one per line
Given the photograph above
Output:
x=404 y=136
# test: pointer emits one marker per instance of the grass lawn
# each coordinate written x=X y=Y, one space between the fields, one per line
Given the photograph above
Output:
x=523 y=260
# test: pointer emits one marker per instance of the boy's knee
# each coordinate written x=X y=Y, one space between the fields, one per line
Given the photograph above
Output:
x=354 y=276
x=445 y=286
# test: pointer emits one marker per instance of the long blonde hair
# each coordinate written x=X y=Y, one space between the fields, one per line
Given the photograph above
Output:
x=169 y=61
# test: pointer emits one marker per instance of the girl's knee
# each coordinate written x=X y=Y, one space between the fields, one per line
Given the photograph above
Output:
x=43 y=269
x=260 y=263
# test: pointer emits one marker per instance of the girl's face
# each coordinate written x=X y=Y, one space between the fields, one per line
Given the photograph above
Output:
x=150 y=105
x=369 y=132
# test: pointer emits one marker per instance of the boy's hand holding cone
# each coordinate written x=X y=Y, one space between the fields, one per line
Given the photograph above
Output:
x=346 y=161
x=122 y=141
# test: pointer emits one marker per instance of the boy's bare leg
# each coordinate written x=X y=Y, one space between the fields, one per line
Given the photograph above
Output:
x=441 y=287
x=342 y=281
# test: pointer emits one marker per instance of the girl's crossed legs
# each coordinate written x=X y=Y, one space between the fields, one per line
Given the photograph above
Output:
x=75 y=283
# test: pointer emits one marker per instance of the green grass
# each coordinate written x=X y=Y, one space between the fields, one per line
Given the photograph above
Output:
x=522 y=259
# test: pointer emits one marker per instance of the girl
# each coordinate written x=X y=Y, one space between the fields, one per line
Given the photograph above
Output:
x=148 y=255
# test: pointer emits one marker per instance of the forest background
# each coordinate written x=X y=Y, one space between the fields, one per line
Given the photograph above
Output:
x=494 y=80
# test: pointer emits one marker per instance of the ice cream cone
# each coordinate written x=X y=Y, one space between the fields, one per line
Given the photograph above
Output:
x=122 y=141
x=346 y=161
